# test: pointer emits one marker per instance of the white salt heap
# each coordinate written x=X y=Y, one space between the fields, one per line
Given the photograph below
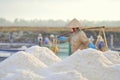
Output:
x=44 y=54
x=20 y=60
x=23 y=48
x=91 y=63
x=40 y=63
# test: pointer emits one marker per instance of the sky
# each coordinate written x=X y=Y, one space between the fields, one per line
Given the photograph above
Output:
x=93 y=10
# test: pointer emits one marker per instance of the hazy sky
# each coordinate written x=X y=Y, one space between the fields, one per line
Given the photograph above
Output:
x=60 y=9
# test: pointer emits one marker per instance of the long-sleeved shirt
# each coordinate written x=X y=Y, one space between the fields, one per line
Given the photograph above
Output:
x=78 y=40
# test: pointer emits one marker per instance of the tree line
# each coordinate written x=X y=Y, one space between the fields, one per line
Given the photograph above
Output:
x=55 y=23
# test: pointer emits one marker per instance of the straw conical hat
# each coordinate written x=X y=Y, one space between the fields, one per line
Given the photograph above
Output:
x=74 y=23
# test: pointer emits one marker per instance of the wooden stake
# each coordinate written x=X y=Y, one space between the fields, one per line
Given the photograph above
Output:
x=105 y=38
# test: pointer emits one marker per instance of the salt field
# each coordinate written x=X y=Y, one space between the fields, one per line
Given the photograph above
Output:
x=59 y=40
x=40 y=63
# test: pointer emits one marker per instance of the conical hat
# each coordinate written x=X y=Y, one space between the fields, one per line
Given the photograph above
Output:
x=74 y=23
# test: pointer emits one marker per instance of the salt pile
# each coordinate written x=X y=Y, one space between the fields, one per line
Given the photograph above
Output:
x=91 y=63
x=40 y=63
x=44 y=54
x=113 y=56
x=23 y=61
x=23 y=48
x=28 y=61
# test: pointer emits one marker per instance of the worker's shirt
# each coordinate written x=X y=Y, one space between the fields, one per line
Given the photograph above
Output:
x=78 y=40
x=40 y=38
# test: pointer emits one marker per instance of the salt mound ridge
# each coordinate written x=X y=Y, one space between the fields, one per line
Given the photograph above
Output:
x=91 y=63
x=44 y=54
x=113 y=56
x=21 y=60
